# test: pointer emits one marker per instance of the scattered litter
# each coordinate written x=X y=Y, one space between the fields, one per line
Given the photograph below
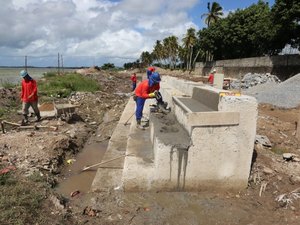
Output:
x=264 y=140
x=117 y=188
x=71 y=161
x=286 y=199
x=74 y=193
x=7 y=169
x=90 y=212
x=287 y=156
x=262 y=188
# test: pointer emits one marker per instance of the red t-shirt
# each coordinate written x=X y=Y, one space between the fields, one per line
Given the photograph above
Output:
x=29 y=87
x=211 y=78
x=143 y=90
x=133 y=78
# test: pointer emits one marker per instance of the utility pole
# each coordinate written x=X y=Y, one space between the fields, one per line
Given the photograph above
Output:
x=25 y=62
x=62 y=65
x=58 y=72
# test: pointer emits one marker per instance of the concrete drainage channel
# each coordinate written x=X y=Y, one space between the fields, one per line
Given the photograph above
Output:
x=206 y=141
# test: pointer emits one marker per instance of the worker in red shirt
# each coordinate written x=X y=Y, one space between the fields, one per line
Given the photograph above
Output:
x=211 y=77
x=149 y=71
x=133 y=79
x=145 y=90
x=29 y=96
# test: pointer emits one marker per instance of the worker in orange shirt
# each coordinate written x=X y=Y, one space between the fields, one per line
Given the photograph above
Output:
x=211 y=77
x=133 y=79
x=146 y=89
x=29 y=96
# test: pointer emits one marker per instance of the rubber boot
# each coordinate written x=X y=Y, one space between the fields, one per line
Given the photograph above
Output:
x=25 y=119
x=139 y=125
x=38 y=117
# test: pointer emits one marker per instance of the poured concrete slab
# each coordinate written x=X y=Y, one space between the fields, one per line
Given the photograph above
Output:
x=165 y=170
x=108 y=179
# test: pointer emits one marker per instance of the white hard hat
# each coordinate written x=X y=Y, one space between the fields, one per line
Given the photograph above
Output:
x=23 y=73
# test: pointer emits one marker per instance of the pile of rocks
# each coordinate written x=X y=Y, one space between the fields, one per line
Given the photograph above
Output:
x=253 y=79
x=285 y=94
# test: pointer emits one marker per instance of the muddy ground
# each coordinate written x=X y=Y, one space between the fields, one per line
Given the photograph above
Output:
x=272 y=196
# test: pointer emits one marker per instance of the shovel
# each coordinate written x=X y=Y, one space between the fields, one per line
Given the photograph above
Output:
x=98 y=164
x=127 y=122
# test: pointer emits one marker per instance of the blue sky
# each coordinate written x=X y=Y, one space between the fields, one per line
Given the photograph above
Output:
x=227 y=5
x=94 y=32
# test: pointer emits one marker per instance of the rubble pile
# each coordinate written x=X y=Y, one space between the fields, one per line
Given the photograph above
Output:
x=253 y=79
x=285 y=94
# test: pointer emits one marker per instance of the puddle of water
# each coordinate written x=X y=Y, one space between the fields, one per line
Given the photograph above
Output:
x=73 y=178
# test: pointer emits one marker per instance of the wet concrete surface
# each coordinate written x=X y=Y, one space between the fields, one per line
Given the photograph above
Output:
x=73 y=178
x=194 y=105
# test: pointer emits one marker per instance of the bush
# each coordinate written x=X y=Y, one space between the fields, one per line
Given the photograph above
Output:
x=64 y=85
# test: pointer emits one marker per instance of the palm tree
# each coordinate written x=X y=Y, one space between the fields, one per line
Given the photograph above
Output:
x=188 y=43
x=158 y=52
x=146 y=59
x=214 y=13
x=170 y=45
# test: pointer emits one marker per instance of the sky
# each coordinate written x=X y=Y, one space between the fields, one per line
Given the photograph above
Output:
x=95 y=32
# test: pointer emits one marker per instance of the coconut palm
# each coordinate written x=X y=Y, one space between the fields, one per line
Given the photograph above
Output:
x=158 y=52
x=171 y=50
x=146 y=59
x=189 y=41
x=214 y=13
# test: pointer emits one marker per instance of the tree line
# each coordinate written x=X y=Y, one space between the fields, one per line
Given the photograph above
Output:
x=258 y=30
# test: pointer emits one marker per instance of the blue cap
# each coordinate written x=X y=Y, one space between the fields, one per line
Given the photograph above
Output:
x=23 y=73
x=155 y=77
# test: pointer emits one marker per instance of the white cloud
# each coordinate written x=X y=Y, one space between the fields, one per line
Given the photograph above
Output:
x=108 y=30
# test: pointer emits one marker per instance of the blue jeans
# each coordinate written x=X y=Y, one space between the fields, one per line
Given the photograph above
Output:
x=133 y=86
x=148 y=73
x=140 y=102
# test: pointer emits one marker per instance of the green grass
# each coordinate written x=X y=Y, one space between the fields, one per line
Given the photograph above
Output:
x=64 y=85
x=20 y=200
x=8 y=85
x=2 y=112
x=278 y=151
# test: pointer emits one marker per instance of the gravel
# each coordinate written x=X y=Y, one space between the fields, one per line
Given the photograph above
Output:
x=284 y=95
x=253 y=79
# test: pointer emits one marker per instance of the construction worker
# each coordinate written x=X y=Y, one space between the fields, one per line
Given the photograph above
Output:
x=149 y=71
x=146 y=89
x=133 y=79
x=29 y=96
x=211 y=77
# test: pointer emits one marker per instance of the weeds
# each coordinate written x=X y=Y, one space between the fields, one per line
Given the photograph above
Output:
x=278 y=151
x=64 y=85
x=20 y=200
x=7 y=85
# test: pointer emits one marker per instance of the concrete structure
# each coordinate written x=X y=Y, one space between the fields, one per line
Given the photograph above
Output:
x=210 y=147
x=283 y=66
x=205 y=142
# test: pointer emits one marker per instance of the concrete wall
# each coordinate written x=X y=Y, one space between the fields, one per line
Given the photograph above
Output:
x=283 y=66
x=222 y=142
x=193 y=150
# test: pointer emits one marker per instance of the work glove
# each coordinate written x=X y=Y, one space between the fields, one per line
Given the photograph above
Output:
x=152 y=95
